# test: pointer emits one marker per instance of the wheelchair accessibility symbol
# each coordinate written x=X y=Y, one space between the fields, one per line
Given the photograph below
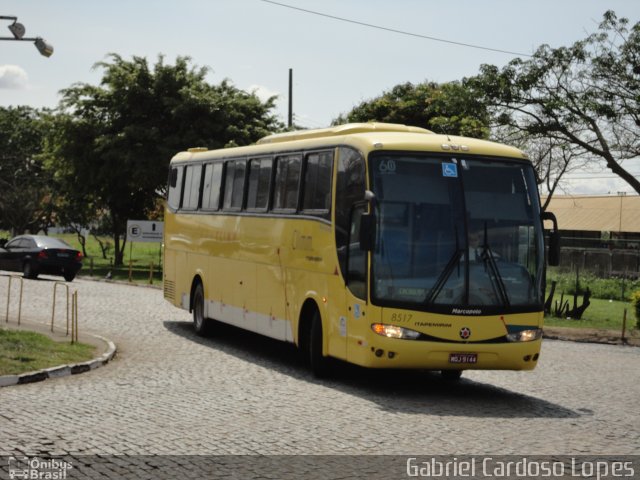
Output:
x=450 y=170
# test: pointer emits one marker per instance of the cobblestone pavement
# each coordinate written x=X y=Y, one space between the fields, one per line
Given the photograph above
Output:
x=170 y=392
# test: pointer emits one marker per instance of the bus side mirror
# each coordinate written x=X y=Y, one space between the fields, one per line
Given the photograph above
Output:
x=554 y=248
x=554 y=240
x=367 y=231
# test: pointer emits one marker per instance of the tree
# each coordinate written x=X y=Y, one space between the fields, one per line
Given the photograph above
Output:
x=584 y=96
x=115 y=140
x=25 y=194
x=449 y=108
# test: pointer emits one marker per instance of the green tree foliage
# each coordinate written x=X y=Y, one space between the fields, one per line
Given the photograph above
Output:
x=25 y=194
x=449 y=108
x=584 y=96
x=114 y=141
x=635 y=301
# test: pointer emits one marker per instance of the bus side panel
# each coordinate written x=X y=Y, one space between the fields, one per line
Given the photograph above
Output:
x=360 y=316
x=244 y=284
x=177 y=281
x=169 y=274
x=262 y=288
x=337 y=316
x=311 y=273
x=270 y=303
x=242 y=277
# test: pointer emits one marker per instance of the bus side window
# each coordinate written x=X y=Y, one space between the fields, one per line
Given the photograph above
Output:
x=285 y=195
x=191 y=196
x=259 y=184
x=350 y=188
x=211 y=186
x=175 y=187
x=317 y=184
x=234 y=185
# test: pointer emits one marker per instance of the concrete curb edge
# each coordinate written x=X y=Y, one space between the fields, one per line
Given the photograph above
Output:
x=62 y=370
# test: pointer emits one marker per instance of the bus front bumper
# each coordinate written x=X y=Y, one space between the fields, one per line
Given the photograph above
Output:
x=396 y=353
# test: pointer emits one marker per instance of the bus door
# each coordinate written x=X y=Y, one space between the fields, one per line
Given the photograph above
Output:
x=357 y=317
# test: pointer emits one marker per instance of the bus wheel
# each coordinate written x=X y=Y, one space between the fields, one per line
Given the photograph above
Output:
x=451 y=375
x=201 y=324
x=319 y=363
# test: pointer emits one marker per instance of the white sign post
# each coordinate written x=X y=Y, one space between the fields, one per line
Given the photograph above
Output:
x=143 y=231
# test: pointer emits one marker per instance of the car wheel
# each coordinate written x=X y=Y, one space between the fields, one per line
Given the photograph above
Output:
x=69 y=277
x=319 y=364
x=201 y=324
x=28 y=270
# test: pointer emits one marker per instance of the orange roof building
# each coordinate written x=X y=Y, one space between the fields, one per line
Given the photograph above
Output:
x=614 y=214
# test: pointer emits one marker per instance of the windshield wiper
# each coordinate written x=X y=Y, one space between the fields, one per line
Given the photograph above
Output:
x=446 y=273
x=490 y=261
x=444 y=276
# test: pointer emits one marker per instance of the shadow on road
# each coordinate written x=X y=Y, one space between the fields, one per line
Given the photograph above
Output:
x=406 y=391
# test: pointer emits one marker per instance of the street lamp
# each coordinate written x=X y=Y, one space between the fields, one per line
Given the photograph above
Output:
x=18 y=31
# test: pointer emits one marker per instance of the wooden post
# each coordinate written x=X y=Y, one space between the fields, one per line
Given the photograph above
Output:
x=130 y=262
x=624 y=326
x=151 y=273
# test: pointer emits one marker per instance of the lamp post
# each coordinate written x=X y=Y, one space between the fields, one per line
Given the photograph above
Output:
x=18 y=31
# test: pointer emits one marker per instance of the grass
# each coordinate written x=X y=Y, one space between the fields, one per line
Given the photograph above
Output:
x=22 y=352
x=610 y=297
x=601 y=314
x=142 y=256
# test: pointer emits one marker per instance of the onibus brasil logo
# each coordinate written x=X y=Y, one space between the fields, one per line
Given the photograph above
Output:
x=35 y=468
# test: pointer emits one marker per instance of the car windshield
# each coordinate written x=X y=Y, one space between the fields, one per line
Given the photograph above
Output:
x=50 y=242
x=456 y=233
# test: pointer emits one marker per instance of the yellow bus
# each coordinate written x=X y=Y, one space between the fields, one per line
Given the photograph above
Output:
x=383 y=245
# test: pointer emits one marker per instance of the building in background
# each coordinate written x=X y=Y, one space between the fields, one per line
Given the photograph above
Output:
x=599 y=233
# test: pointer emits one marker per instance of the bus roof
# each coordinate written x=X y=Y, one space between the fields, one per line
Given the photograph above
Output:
x=363 y=136
x=339 y=130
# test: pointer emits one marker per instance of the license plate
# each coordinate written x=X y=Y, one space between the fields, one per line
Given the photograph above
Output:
x=463 y=358
x=63 y=255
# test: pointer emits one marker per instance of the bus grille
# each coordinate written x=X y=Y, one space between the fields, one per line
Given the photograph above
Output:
x=169 y=290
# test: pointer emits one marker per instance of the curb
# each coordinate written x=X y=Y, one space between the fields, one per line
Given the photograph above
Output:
x=62 y=370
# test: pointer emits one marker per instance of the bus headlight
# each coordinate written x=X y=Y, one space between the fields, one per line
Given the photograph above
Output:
x=393 y=331
x=525 y=335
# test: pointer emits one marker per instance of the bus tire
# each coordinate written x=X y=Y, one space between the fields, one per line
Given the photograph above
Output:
x=317 y=361
x=201 y=324
x=451 y=375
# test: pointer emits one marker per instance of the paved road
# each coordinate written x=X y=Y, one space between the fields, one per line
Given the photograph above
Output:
x=170 y=392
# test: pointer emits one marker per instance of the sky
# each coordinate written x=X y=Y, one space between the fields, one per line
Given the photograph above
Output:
x=253 y=43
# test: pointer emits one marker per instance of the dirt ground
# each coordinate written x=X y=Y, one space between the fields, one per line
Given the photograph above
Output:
x=593 y=335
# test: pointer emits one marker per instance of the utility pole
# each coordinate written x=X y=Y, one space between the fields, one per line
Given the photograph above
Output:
x=290 y=122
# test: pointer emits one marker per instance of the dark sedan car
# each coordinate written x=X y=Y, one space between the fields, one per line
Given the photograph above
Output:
x=36 y=254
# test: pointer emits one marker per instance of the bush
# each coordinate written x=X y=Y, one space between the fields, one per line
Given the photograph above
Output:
x=635 y=301
x=605 y=288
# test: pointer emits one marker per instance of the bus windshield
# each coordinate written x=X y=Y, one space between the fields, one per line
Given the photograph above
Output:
x=455 y=234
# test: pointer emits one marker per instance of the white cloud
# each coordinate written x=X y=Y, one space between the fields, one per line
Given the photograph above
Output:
x=13 y=77
x=263 y=93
